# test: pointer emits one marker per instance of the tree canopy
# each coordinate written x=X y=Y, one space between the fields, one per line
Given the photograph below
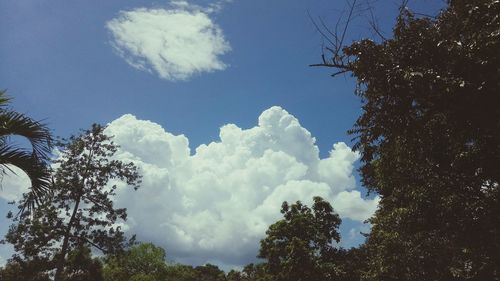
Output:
x=301 y=245
x=141 y=262
x=430 y=142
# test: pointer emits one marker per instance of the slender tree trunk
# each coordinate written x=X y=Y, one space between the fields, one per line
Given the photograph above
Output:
x=62 y=257
x=64 y=249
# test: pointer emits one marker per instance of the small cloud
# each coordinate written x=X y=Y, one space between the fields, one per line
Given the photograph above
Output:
x=174 y=43
x=352 y=205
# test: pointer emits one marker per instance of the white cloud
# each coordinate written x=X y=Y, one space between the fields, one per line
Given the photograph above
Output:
x=351 y=205
x=217 y=202
x=13 y=184
x=176 y=43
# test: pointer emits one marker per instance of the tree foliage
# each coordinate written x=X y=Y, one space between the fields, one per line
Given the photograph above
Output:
x=301 y=246
x=80 y=211
x=146 y=262
x=255 y=272
x=181 y=272
x=80 y=266
x=209 y=272
x=141 y=262
x=429 y=136
x=24 y=270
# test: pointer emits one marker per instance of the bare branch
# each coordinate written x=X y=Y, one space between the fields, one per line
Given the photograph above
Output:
x=328 y=30
x=319 y=29
x=340 y=72
x=403 y=6
x=349 y=18
x=90 y=242
x=374 y=25
x=425 y=15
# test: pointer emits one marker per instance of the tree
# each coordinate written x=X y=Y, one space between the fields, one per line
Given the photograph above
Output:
x=79 y=212
x=209 y=272
x=256 y=272
x=234 y=275
x=301 y=246
x=352 y=263
x=180 y=272
x=33 y=161
x=80 y=266
x=430 y=143
x=142 y=262
x=26 y=271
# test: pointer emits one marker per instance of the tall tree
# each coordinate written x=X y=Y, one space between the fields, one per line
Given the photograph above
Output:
x=301 y=246
x=32 y=161
x=80 y=211
x=429 y=136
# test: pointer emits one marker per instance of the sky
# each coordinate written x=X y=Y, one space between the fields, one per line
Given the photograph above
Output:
x=213 y=100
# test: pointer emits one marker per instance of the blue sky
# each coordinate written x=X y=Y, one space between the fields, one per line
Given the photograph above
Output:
x=61 y=62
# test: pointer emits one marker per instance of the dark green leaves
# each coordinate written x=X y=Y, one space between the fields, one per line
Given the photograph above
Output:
x=297 y=247
x=429 y=137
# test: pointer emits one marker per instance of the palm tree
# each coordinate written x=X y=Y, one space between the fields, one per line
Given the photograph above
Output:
x=33 y=161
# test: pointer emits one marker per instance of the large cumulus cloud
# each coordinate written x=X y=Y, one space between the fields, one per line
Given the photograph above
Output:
x=215 y=203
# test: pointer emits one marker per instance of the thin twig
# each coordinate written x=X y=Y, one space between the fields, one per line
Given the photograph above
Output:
x=347 y=23
x=319 y=29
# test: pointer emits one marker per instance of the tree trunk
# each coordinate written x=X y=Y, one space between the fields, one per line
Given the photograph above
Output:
x=64 y=249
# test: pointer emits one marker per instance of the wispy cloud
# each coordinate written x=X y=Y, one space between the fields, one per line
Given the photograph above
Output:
x=175 y=43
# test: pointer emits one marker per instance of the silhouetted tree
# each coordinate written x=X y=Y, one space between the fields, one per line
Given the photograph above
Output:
x=79 y=212
x=429 y=137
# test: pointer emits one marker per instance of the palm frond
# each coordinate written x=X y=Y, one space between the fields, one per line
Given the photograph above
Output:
x=4 y=99
x=36 y=170
x=35 y=161
x=14 y=123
